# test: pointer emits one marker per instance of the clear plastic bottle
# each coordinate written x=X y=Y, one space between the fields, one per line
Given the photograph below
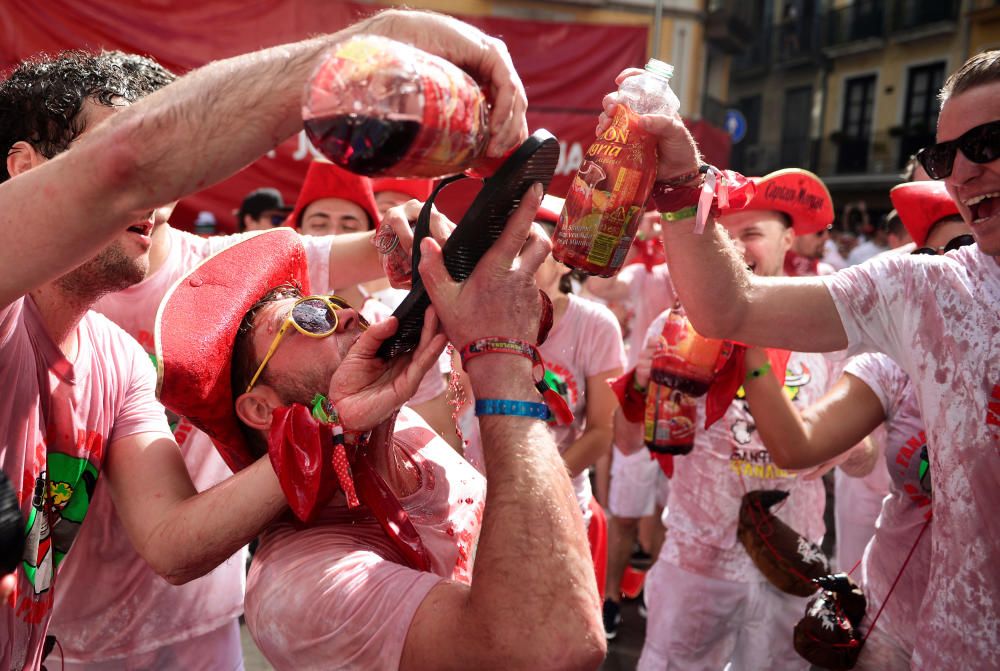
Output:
x=687 y=361
x=379 y=107
x=609 y=193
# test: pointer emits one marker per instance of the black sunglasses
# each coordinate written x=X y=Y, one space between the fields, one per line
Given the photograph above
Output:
x=980 y=145
x=951 y=245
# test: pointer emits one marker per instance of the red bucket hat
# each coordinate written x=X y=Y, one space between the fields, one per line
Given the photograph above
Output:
x=196 y=329
x=414 y=188
x=920 y=205
x=798 y=193
x=326 y=180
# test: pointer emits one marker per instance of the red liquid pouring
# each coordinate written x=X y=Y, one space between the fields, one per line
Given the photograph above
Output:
x=362 y=144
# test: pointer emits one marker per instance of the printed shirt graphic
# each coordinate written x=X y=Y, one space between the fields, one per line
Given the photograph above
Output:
x=729 y=460
x=337 y=595
x=57 y=425
x=939 y=319
x=905 y=509
x=111 y=604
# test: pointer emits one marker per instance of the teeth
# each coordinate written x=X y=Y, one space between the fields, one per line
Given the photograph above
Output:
x=975 y=200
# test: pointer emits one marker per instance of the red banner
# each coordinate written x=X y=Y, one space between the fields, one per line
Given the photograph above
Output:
x=566 y=67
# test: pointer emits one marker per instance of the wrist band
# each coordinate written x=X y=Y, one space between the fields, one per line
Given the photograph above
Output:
x=503 y=406
x=759 y=372
x=685 y=213
x=682 y=180
x=561 y=413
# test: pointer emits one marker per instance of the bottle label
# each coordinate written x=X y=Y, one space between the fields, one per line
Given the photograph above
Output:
x=606 y=197
x=670 y=420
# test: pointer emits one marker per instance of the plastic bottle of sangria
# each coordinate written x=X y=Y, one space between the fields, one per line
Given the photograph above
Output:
x=608 y=194
x=669 y=420
x=687 y=361
x=382 y=108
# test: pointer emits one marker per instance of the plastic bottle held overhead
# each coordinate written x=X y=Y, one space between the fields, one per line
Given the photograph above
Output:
x=379 y=107
x=608 y=194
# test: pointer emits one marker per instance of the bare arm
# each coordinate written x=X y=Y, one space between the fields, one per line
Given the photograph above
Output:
x=845 y=415
x=230 y=112
x=595 y=441
x=722 y=299
x=533 y=602
x=180 y=533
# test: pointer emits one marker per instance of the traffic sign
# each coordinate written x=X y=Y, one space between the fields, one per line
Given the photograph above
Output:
x=736 y=125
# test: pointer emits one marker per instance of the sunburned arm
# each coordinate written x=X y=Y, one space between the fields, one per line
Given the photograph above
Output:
x=724 y=300
x=183 y=534
x=610 y=289
x=837 y=422
x=595 y=441
x=62 y=212
x=532 y=556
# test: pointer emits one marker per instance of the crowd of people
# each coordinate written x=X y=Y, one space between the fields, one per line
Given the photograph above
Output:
x=174 y=398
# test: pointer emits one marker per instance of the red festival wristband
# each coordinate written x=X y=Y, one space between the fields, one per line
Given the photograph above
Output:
x=561 y=411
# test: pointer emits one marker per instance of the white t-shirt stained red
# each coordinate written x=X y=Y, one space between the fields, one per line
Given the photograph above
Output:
x=938 y=317
x=337 y=595
x=57 y=422
x=112 y=605
x=905 y=510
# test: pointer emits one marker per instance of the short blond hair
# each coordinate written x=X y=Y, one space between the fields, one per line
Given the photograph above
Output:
x=983 y=68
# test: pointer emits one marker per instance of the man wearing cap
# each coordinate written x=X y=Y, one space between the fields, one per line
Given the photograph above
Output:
x=709 y=605
x=936 y=316
x=419 y=576
x=81 y=391
x=261 y=210
x=803 y=209
x=333 y=201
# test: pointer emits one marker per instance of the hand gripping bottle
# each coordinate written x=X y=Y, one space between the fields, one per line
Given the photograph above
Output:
x=608 y=195
x=382 y=108
x=687 y=362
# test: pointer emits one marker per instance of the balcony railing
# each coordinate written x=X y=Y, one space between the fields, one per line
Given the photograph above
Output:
x=797 y=41
x=914 y=14
x=875 y=154
x=856 y=22
x=756 y=54
x=764 y=157
x=872 y=19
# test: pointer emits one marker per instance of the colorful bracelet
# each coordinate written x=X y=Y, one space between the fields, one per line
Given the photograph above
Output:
x=503 y=406
x=561 y=413
x=685 y=213
x=683 y=180
x=759 y=372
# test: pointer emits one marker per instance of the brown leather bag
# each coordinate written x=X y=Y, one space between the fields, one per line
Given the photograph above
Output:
x=789 y=561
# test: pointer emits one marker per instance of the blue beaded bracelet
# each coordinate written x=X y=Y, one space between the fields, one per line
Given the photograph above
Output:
x=502 y=406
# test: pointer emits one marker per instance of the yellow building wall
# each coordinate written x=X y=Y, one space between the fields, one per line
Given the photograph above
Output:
x=984 y=32
x=891 y=66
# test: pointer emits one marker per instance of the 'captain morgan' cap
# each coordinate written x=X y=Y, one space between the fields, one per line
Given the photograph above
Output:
x=196 y=328
x=797 y=193
x=326 y=180
x=920 y=205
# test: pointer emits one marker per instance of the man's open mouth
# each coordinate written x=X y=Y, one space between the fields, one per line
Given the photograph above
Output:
x=983 y=206
x=144 y=228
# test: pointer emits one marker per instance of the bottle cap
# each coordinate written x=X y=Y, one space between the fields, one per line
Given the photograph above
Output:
x=659 y=68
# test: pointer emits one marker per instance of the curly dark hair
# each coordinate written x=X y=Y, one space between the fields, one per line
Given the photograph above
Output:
x=41 y=99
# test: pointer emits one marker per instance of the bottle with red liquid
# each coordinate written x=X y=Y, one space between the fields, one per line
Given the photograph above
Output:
x=608 y=194
x=669 y=420
x=687 y=361
x=382 y=108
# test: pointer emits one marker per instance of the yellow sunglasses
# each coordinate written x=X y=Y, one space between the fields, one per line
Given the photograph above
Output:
x=312 y=316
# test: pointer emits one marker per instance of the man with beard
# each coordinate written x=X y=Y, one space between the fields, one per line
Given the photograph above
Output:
x=81 y=391
x=408 y=563
x=935 y=315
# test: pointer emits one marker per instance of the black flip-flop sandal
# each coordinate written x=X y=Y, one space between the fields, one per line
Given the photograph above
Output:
x=534 y=161
x=11 y=528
